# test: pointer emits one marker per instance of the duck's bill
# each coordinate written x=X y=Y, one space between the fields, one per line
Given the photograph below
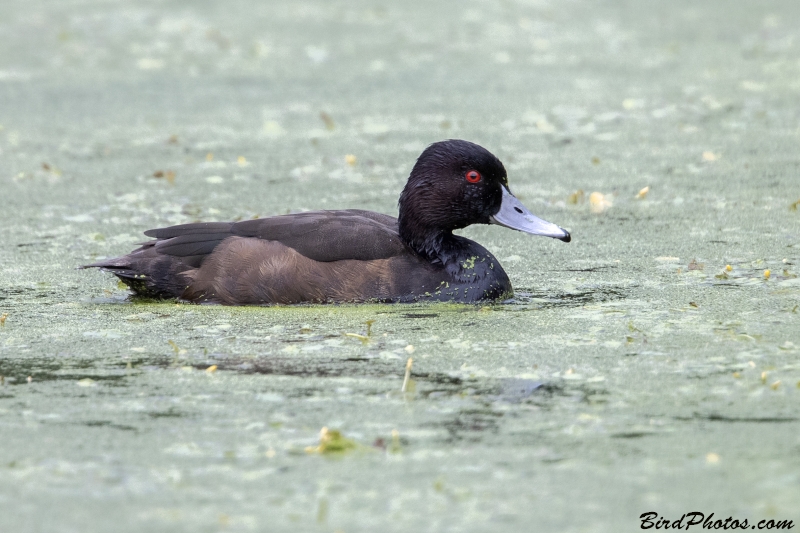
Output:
x=516 y=216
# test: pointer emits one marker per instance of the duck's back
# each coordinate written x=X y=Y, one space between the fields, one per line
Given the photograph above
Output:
x=318 y=256
x=318 y=235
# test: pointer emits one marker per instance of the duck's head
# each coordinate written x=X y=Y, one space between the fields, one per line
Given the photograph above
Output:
x=457 y=183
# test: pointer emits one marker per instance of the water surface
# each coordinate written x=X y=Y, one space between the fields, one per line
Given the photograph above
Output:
x=632 y=372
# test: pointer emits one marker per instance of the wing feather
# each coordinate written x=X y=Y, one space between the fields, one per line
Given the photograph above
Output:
x=319 y=235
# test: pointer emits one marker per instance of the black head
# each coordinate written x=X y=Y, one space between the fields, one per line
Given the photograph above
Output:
x=454 y=184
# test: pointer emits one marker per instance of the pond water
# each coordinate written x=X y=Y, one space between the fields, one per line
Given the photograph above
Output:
x=652 y=364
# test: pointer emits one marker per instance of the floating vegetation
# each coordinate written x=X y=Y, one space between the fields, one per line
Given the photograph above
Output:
x=168 y=175
x=363 y=338
x=694 y=265
x=407 y=378
x=330 y=125
x=599 y=202
x=332 y=441
x=576 y=197
x=394 y=446
x=754 y=275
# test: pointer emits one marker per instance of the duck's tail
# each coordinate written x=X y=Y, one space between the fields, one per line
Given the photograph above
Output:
x=147 y=273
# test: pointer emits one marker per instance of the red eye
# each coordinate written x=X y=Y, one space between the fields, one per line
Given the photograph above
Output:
x=473 y=176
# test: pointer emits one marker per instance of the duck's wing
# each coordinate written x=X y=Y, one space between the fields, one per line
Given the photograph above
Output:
x=318 y=235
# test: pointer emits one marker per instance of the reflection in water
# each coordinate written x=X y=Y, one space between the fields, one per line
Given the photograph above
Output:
x=531 y=299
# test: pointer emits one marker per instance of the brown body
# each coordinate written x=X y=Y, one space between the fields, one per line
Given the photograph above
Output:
x=322 y=256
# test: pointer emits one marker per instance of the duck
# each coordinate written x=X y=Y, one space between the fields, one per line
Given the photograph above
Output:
x=348 y=255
